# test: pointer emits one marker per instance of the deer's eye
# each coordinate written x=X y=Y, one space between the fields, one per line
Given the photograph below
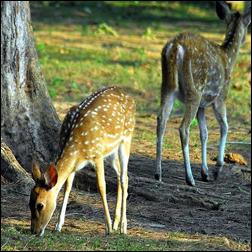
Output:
x=40 y=206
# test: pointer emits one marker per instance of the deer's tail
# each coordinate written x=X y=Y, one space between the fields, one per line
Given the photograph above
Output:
x=169 y=70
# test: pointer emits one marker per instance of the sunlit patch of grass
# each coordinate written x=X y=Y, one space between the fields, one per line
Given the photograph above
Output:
x=132 y=61
x=105 y=29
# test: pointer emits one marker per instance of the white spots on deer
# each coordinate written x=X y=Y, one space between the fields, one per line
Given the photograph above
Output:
x=100 y=125
x=94 y=140
x=87 y=113
x=96 y=128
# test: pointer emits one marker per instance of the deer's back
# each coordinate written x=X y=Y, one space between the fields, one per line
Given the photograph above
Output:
x=105 y=117
x=199 y=64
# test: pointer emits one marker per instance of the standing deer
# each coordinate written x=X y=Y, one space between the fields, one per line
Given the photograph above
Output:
x=100 y=127
x=197 y=72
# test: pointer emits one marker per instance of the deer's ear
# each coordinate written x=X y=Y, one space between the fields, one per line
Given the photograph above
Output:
x=247 y=17
x=36 y=173
x=51 y=176
x=223 y=11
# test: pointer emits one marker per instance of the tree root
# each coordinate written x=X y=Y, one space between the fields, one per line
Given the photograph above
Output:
x=12 y=171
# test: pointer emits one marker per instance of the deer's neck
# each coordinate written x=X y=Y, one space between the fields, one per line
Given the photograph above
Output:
x=232 y=45
x=65 y=166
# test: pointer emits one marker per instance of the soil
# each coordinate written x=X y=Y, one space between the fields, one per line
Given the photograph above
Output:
x=218 y=207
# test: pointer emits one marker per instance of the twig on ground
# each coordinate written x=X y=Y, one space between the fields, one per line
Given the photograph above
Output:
x=244 y=191
x=4 y=244
x=32 y=238
x=236 y=142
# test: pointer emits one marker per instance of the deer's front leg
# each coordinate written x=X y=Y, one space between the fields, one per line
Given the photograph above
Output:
x=203 y=138
x=221 y=116
x=117 y=168
x=101 y=184
x=68 y=187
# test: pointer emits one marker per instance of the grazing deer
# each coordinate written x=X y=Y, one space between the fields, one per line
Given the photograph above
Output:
x=197 y=72
x=100 y=127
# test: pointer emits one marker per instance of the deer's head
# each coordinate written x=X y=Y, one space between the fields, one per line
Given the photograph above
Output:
x=43 y=198
x=237 y=23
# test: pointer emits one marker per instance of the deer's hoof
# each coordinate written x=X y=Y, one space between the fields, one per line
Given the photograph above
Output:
x=58 y=227
x=217 y=171
x=215 y=174
x=190 y=181
x=123 y=229
x=157 y=176
x=204 y=176
x=109 y=230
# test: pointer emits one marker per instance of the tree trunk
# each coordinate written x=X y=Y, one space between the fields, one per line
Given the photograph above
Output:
x=29 y=123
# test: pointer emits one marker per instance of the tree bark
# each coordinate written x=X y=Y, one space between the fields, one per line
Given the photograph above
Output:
x=29 y=123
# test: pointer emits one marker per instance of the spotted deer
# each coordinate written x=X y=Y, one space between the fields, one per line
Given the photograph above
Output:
x=100 y=127
x=197 y=72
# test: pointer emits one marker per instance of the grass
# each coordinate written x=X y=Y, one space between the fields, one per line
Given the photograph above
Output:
x=94 y=49
x=16 y=237
x=93 y=44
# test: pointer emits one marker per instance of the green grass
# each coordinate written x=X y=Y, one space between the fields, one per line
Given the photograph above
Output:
x=17 y=238
x=119 y=43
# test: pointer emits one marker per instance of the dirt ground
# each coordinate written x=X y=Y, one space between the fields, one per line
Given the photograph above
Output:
x=221 y=207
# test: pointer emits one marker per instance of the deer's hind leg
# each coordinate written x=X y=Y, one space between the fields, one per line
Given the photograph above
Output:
x=124 y=153
x=219 y=108
x=203 y=138
x=163 y=116
x=191 y=109
x=116 y=166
